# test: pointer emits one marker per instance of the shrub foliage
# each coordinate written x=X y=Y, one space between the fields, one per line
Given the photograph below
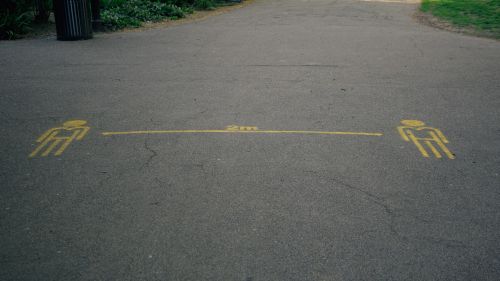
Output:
x=119 y=14
x=132 y=13
x=16 y=16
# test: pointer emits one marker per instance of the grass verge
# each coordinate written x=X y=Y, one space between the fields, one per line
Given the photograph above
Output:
x=479 y=16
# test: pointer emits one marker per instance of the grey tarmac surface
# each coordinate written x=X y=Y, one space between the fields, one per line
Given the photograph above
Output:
x=251 y=207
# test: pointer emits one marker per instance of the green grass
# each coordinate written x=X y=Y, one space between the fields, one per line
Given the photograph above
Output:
x=482 y=15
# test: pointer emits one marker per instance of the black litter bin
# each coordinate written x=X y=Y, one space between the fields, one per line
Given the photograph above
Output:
x=73 y=19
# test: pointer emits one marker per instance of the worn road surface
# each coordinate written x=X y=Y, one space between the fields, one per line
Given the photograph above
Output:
x=268 y=143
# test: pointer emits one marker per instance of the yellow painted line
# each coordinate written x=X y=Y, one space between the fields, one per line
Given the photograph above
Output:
x=238 y=132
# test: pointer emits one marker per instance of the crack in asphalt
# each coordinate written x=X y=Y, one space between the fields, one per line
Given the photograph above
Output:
x=151 y=157
x=393 y=215
x=377 y=201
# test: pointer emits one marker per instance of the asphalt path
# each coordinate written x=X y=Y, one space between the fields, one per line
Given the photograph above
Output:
x=312 y=180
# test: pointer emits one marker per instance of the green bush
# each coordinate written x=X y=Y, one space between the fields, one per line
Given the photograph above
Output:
x=13 y=25
x=204 y=4
x=15 y=17
x=120 y=14
x=107 y=4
